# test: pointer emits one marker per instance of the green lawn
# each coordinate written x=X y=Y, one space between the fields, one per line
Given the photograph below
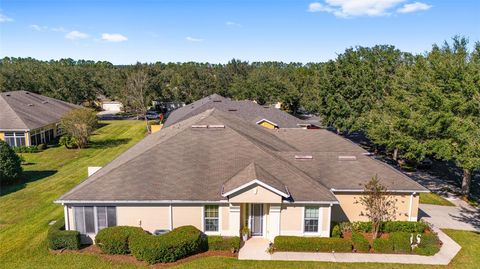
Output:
x=26 y=209
x=434 y=199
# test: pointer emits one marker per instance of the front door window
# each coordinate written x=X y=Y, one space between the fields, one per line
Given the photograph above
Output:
x=257 y=219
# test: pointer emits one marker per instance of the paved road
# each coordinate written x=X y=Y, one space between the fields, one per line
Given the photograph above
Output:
x=460 y=217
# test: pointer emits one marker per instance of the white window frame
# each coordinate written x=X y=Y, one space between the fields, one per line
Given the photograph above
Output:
x=15 y=136
x=95 y=217
x=219 y=220
x=320 y=219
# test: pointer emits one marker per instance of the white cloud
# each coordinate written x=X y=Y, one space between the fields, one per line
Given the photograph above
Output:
x=42 y=28
x=38 y=27
x=355 y=8
x=113 y=37
x=5 y=18
x=193 y=39
x=73 y=35
x=412 y=7
x=233 y=24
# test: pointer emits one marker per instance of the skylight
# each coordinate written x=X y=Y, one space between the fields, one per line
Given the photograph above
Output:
x=347 y=158
x=303 y=157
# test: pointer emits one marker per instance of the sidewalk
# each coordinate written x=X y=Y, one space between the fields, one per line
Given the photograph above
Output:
x=448 y=250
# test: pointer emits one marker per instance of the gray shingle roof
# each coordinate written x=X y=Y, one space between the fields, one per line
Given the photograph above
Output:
x=199 y=164
x=22 y=110
x=246 y=110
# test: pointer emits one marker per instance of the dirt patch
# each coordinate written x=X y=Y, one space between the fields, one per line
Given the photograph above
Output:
x=94 y=250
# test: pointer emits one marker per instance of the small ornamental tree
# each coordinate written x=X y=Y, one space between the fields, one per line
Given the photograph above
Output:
x=79 y=124
x=379 y=205
x=10 y=164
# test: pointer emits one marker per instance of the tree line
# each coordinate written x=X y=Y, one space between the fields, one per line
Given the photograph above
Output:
x=415 y=105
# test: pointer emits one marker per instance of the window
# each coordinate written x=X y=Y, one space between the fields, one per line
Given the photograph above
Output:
x=15 y=139
x=311 y=219
x=85 y=218
x=211 y=218
x=106 y=217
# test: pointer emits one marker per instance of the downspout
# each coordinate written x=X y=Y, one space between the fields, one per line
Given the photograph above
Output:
x=171 y=216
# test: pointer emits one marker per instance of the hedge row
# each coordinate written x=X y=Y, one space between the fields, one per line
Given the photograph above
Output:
x=223 y=243
x=312 y=244
x=58 y=238
x=115 y=240
x=388 y=227
x=360 y=243
x=169 y=247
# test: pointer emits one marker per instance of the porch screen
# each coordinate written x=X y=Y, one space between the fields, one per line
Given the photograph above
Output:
x=106 y=217
x=84 y=219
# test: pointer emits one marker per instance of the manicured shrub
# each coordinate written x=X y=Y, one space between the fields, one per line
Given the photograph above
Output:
x=179 y=243
x=381 y=245
x=26 y=149
x=336 y=231
x=360 y=243
x=401 y=242
x=10 y=164
x=312 y=244
x=58 y=238
x=115 y=240
x=223 y=243
x=429 y=245
x=405 y=226
x=362 y=226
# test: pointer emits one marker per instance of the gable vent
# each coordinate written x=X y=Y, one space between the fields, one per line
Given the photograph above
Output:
x=303 y=157
x=199 y=126
x=347 y=158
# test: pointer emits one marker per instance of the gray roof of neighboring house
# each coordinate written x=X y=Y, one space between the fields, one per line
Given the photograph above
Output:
x=199 y=164
x=247 y=110
x=22 y=110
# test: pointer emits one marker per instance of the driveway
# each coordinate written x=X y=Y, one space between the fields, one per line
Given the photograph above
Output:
x=459 y=217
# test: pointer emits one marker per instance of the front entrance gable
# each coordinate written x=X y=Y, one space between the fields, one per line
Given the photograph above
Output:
x=255 y=192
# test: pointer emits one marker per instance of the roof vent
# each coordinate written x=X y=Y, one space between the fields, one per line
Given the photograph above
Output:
x=216 y=126
x=27 y=93
x=303 y=157
x=7 y=94
x=195 y=126
x=30 y=105
x=44 y=102
x=266 y=106
x=232 y=109
x=217 y=101
x=368 y=154
x=347 y=158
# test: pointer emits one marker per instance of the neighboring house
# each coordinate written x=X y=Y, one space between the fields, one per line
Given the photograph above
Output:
x=219 y=172
x=266 y=116
x=166 y=107
x=28 y=119
x=112 y=106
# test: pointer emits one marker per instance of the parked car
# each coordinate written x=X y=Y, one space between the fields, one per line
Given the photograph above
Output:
x=152 y=115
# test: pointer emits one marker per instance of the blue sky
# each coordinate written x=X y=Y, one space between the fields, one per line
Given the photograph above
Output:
x=125 y=32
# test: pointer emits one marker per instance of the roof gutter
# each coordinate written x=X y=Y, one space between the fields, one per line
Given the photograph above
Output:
x=137 y=202
x=362 y=190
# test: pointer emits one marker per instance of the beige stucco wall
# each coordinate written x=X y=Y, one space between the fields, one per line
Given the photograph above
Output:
x=255 y=194
x=187 y=215
x=151 y=217
x=351 y=209
x=225 y=217
x=291 y=217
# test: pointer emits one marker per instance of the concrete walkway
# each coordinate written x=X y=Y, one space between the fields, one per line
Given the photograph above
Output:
x=460 y=217
x=255 y=249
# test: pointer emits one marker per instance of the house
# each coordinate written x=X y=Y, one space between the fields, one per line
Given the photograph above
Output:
x=112 y=106
x=28 y=118
x=220 y=172
x=166 y=107
x=266 y=116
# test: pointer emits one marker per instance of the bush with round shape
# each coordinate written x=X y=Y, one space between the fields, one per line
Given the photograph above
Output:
x=10 y=164
x=360 y=243
x=381 y=245
x=115 y=240
x=336 y=231
x=58 y=238
x=179 y=243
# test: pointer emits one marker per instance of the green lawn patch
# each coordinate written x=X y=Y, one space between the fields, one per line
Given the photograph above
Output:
x=434 y=199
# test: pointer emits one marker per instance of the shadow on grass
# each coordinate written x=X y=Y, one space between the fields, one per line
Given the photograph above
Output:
x=28 y=176
x=108 y=143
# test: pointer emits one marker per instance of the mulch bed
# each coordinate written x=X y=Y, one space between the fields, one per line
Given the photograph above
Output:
x=94 y=250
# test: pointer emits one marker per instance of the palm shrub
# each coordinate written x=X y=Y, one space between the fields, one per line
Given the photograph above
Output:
x=115 y=240
x=10 y=164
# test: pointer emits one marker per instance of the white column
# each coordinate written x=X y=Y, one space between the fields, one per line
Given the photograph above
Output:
x=410 y=210
x=274 y=221
x=67 y=219
x=234 y=220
